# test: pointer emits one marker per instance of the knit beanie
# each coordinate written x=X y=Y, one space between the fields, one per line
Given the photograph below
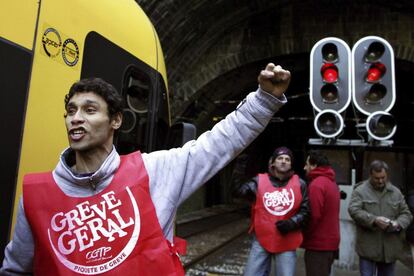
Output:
x=282 y=151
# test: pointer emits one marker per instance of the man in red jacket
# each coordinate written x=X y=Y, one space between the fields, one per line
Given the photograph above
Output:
x=321 y=238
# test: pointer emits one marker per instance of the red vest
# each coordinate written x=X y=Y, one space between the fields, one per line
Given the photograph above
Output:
x=115 y=232
x=274 y=204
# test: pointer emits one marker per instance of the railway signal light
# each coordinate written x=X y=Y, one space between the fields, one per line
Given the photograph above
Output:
x=381 y=125
x=328 y=123
x=373 y=81
x=330 y=84
x=375 y=72
x=330 y=75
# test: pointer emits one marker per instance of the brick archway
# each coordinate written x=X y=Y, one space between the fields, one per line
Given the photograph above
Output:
x=203 y=40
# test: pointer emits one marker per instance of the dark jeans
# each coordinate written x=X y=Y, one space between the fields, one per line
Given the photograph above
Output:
x=318 y=263
x=368 y=268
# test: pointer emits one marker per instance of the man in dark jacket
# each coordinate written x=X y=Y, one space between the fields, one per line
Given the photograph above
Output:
x=410 y=230
x=279 y=210
x=321 y=238
x=380 y=214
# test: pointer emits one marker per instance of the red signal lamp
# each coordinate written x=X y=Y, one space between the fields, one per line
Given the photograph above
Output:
x=375 y=72
x=329 y=73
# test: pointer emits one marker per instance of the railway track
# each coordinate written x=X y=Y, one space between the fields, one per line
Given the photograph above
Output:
x=207 y=235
